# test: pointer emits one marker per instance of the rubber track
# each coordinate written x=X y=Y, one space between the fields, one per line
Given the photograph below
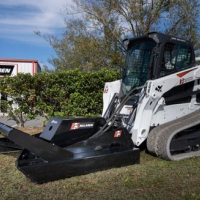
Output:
x=158 y=141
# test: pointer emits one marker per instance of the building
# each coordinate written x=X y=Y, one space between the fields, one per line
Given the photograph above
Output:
x=11 y=67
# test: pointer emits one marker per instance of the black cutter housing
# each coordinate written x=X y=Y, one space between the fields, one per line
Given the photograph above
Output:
x=65 y=148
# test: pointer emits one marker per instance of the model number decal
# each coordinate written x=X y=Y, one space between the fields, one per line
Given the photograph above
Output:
x=78 y=125
x=185 y=80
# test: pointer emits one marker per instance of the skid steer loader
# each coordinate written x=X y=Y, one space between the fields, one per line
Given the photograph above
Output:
x=157 y=102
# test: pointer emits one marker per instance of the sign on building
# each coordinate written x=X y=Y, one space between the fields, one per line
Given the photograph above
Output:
x=11 y=67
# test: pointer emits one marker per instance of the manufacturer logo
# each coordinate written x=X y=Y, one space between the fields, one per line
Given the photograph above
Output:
x=75 y=126
x=78 y=125
x=118 y=133
x=54 y=122
x=159 y=88
x=105 y=89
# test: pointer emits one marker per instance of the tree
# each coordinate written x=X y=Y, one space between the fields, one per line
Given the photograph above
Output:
x=94 y=40
x=183 y=21
x=81 y=48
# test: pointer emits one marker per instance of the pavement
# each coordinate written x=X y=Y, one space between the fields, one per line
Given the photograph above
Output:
x=38 y=122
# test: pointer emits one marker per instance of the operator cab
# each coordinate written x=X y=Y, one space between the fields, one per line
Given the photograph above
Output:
x=153 y=56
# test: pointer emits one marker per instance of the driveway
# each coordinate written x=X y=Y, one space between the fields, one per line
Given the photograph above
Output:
x=38 y=122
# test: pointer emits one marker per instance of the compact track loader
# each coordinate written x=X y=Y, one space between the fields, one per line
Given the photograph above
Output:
x=157 y=102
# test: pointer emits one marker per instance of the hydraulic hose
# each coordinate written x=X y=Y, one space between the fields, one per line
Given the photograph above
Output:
x=111 y=120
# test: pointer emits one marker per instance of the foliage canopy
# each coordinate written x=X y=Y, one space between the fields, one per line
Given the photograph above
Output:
x=94 y=29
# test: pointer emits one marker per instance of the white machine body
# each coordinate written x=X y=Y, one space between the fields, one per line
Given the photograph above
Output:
x=152 y=109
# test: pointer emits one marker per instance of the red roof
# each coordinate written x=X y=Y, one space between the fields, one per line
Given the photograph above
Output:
x=17 y=60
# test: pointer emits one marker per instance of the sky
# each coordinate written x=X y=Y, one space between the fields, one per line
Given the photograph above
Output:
x=18 y=21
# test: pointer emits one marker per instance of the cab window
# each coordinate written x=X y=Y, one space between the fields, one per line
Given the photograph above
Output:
x=176 y=57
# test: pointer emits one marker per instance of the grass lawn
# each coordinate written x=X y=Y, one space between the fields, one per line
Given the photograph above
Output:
x=153 y=178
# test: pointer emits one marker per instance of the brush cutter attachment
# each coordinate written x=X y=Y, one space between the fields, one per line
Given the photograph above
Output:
x=7 y=146
x=65 y=148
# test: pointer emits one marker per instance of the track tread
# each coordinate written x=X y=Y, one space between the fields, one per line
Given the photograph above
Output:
x=159 y=138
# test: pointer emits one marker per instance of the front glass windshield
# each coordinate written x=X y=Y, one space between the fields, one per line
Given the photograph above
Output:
x=137 y=64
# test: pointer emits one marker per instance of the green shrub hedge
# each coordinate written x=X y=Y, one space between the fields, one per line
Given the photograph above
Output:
x=62 y=93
